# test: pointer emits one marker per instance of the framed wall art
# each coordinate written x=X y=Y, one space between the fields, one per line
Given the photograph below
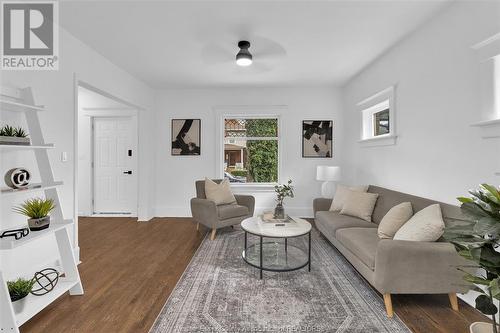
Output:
x=317 y=138
x=186 y=137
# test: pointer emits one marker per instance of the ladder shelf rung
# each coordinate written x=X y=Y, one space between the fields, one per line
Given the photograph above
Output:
x=26 y=147
x=35 y=304
x=19 y=107
x=30 y=188
x=9 y=243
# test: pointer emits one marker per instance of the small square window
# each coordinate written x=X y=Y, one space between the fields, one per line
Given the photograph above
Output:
x=377 y=119
x=381 y=124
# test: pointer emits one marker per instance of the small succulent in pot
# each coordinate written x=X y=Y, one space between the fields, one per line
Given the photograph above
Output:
x=37 y=210
x=18 y=290
x=10 y=135
x=20 y=132
x=8 y=130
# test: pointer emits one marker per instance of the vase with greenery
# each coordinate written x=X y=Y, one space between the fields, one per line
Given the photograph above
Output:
x=13 y=135
x=18 y=290
x=282 y=191
x=37 y=210
x=478 y=240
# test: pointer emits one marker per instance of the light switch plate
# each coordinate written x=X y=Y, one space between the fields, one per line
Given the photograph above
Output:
x=64 y=156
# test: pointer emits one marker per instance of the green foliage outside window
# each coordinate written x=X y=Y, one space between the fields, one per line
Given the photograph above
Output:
x=262 y=161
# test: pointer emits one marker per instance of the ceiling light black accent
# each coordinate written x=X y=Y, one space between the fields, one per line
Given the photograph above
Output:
x=244 y=57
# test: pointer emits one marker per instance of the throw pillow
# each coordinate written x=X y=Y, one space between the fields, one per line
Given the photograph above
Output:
x=341 y=193
x=219 y=193
x=360 y=204
x=394 y=219
x=426 y=225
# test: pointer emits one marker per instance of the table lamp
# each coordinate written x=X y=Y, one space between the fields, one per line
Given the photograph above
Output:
x=326 y=174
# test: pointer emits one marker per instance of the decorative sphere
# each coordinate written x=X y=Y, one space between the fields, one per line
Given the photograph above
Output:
x=45 y=281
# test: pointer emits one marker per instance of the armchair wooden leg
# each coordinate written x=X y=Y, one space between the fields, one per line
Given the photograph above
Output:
x=388 y=305
x=453 y=301
x=212 y=235
x=198 y=226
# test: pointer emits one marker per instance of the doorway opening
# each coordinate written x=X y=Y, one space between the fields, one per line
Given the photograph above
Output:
x=107 y=177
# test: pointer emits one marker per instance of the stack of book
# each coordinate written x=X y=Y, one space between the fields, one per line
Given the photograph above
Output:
x=269 y=217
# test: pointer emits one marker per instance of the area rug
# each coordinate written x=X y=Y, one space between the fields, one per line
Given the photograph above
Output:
x=219 y=292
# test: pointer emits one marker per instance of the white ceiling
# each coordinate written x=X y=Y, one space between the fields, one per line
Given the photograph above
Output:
x=193 y=44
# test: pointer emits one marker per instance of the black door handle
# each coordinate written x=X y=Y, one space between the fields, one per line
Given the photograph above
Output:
x=128 y=172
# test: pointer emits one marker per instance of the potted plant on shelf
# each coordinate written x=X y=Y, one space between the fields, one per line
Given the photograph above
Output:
x=10 y=135
x=18 y=290
x=37 y=210
x=282 y=191
x=478 y=240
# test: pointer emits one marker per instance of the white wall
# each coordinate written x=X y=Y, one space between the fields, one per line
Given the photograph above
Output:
x=438 y=154
x=175 y=175
x=55 y=90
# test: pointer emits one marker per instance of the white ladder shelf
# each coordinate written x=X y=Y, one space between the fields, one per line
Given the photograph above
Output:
x=21 y=100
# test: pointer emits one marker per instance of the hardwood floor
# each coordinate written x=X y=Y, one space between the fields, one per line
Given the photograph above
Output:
x=128 y=270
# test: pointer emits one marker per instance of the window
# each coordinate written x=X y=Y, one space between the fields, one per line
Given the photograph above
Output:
x=251 y=149
x=377 y=117
x=381 y=124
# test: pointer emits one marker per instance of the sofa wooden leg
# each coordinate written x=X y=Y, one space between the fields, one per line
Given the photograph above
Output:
x=212 y=235
x=388 y=305
x=453 y=301
x=198 y=226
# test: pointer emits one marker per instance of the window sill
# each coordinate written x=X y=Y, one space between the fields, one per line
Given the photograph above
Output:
x=242 y=187
x=385 y=140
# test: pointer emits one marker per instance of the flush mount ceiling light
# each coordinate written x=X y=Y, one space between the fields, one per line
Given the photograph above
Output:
x=244 y=57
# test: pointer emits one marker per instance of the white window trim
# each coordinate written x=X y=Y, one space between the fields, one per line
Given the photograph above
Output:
x=247 y=111
x=371 y=105
x=488 y=59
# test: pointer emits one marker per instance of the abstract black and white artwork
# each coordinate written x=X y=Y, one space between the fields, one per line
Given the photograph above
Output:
x=317 y=138
x=186 y=137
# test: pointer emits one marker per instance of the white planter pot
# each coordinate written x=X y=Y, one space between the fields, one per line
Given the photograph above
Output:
x=13 y=140
x=19 y=305
x=480 y=327
x=39 y=224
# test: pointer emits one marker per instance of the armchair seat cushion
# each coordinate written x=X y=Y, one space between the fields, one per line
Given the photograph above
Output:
x=362 y=242
x=230 y=211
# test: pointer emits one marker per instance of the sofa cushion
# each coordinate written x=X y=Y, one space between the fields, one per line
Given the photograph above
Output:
x=359 y=204
x=394 y=220
x=362 y=242
x=231 y=210
x=426 y=225
x=341 y=194
x=332 y=221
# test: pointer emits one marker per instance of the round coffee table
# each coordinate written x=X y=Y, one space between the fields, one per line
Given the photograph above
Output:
x=273 y=255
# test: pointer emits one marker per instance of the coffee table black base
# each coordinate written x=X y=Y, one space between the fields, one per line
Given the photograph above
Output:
x=281 y=257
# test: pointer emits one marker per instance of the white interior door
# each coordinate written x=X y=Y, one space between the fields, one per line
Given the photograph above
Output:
x=115 y=176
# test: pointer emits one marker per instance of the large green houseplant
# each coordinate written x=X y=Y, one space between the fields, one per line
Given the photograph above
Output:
x=478 y=240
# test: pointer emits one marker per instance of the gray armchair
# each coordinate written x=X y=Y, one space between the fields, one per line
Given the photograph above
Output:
x=215 y=217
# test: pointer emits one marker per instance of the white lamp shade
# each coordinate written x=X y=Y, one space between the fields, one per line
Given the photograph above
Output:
x=327 y=173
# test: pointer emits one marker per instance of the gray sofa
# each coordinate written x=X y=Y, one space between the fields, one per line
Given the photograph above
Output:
x=395 y=266
x=206 y=212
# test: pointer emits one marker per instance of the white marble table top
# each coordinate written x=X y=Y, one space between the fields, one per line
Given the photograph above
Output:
x=256 y=226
